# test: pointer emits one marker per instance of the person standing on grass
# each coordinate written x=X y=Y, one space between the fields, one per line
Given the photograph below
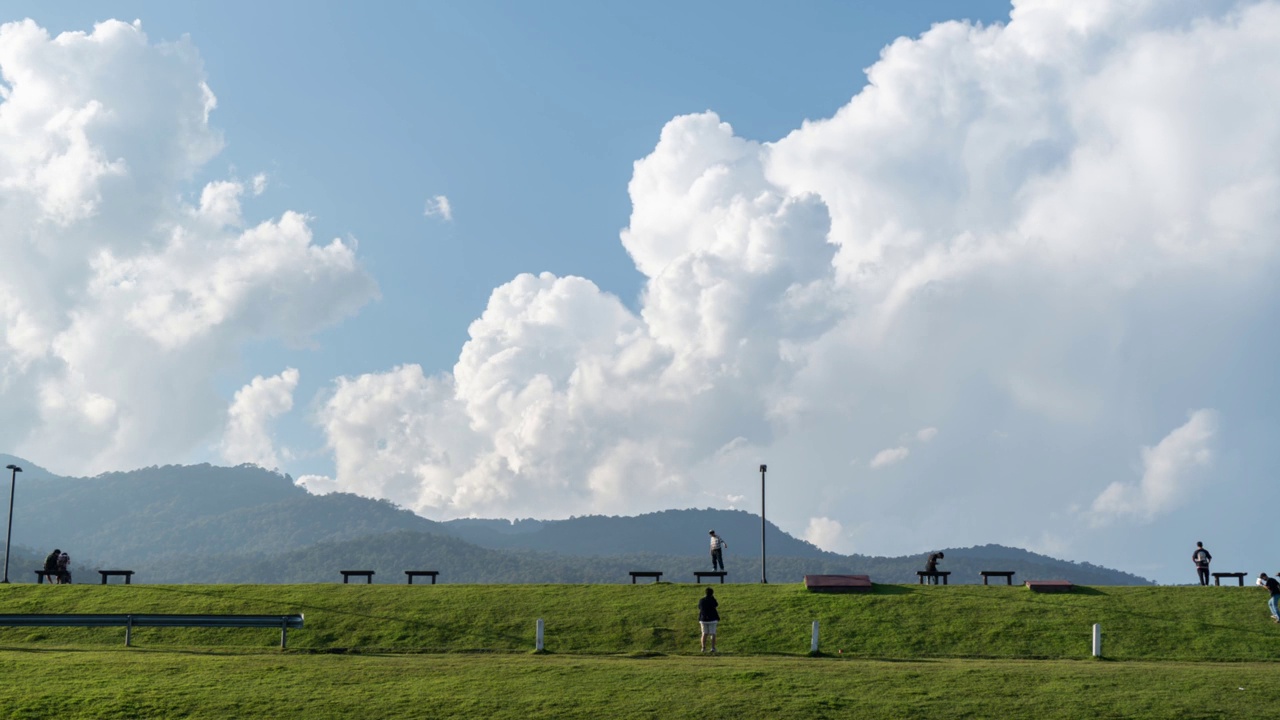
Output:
x=1201 y=558
x=717 y=551
x=708 y=618
x=1272 y=587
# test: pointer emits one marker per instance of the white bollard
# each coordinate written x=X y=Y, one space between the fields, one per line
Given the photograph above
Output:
x=813 y=646
x=1097 y=640
x=539 y=641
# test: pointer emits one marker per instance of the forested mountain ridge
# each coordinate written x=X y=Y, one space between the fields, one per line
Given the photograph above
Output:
x=205 y=523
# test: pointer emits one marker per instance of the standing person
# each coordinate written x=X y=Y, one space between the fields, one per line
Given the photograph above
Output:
x=1272 y=587
x=708 y=618
x=931 y=565
x=1201 y=558
x=717 y=551
x=51 y=566
x=64 y=569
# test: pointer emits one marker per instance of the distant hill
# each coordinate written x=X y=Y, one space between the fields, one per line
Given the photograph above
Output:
x=206 y=524
x=669 y=532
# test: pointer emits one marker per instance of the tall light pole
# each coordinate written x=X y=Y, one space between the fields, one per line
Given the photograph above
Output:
x=8 y=540
x=763 y=577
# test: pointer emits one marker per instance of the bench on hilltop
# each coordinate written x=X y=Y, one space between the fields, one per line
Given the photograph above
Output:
x=933 y=575
x=1006 y=574
x=126 y=574
x=131 y=621
x=52 y=575
x=422 y=573
x=366 y=574
x=1217 y=577
x=699 y=574
x=657 y=576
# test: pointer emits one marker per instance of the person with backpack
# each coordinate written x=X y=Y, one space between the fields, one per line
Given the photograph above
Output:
x=1272 y=587
x=51 y=566
x=64 y=569
x=1201 y=558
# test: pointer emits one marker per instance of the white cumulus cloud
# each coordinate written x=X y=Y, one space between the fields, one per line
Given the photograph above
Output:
x=825 y=533
x=924 y=435
x=247 y=438
x=136 y=289
x=1170 y=472
x=1050 y=225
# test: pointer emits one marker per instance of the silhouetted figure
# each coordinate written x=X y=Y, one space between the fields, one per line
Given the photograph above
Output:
x=717 y=551
x=708 y=618
x=64 y=569
x=1272 y=587
x=1201 y=558
x=931 y=565
x=51 y=566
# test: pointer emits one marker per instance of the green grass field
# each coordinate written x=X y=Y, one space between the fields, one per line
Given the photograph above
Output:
x=632 y=651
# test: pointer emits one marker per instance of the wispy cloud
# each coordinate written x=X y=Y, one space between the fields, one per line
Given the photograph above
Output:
x=438 y=206
x=924 y=435
x=889 y=456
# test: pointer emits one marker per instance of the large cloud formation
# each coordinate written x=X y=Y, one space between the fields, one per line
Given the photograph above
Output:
x=131 y=299
x=1047 y=238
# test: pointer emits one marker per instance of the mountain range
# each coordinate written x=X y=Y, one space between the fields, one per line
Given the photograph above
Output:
x=209 y=524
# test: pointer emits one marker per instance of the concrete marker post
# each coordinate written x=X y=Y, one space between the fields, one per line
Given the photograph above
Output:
x=1097 y=640
x=538 y=643
x=813 y=645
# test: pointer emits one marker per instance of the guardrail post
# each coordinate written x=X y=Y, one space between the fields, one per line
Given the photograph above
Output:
x=284 y=631
x=813 y=645
x=1097 y=640
x=538 y=642
x=128 y=630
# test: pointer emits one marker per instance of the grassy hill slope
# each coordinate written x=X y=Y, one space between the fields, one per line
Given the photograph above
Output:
x=900 y=622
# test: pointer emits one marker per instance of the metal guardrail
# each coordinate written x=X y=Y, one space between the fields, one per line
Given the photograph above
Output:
x=132 y=620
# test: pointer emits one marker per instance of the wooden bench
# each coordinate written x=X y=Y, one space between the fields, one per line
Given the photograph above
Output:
x=42 y=574
x=699 y=574
x=129 y=622
x=366 y=574
x=922 y=574
x=657 y=576
x=1006 y=574
x=126 y=574
x=1217 y=577
x=422 y=573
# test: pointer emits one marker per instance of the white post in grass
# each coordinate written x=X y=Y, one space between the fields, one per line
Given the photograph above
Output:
x=1097 y=640
x=539 y=640
x=813 y=645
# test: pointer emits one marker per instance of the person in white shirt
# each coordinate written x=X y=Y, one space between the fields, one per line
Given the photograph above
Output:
x=717 y=551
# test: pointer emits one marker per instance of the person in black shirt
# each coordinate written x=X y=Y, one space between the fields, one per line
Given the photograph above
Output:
x=708 y=618
x=1272 y=587
x=51 y=565
x=1201 y=558
x=931 y=565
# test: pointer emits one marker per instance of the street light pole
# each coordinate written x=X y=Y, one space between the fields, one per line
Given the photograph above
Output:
x=763 y=577
x=8 y=540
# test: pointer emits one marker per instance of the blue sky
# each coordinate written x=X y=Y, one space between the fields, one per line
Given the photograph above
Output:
x=1028 y=269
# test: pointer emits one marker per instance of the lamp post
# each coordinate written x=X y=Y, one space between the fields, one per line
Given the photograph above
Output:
x=763 y=577
x=8 y=540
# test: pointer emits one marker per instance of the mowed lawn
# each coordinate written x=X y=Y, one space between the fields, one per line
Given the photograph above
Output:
x=895 y=622
x=623 y=651
x=169 y=684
